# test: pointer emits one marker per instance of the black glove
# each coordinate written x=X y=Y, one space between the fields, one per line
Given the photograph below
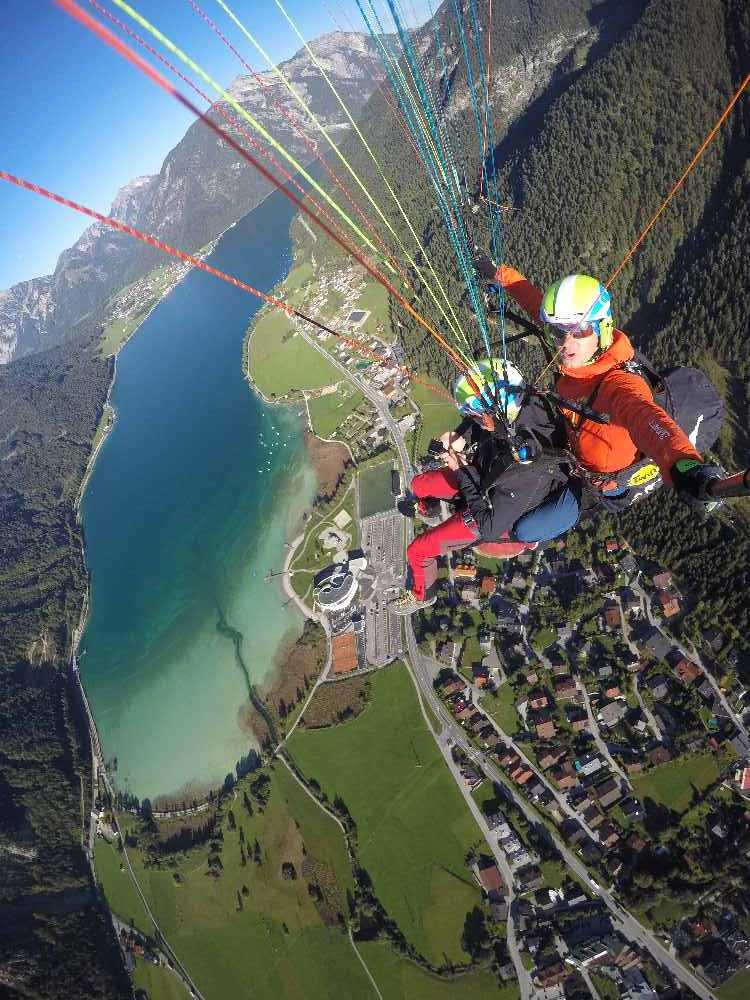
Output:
x=485 y=267
x=691 y=479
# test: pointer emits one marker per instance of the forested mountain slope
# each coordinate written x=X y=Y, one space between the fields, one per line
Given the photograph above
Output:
x=584 y=168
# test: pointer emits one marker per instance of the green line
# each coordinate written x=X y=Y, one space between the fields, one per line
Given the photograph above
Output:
x=457 y=328
x=139 y=19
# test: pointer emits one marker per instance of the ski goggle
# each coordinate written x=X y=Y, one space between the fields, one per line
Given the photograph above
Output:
x=560 y=331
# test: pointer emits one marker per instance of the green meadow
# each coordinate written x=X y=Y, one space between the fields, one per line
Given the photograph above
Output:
x=398 y=978
x=249 y=930
x=281 y=361
x=672 y=784
x=413 y=826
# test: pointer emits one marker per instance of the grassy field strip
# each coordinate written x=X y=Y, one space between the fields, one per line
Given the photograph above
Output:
x=413 y=827
x=272 y=940
x=401 y=979
x=282 y=362
x=160 y=983
x=672 y=784
x=122 y=896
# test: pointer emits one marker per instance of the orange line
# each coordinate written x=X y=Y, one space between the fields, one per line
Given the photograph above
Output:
x=720 y=121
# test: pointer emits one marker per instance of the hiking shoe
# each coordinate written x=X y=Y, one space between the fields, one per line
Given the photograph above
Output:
x=407 y=603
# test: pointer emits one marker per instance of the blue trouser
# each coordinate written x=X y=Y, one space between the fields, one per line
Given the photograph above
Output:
x=558 y=514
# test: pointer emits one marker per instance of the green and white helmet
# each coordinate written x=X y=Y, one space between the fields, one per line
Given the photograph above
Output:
x=577 y=303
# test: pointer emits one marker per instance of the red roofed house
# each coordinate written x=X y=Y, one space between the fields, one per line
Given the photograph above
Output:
x=662 y=580
x=670 y=606
x=521 y=774
x=492 y=881
x=481 y=674
x=686 y=671
x=463 y=572
x=613 y=692
x=546 y=730
x=745 y=784
x=538 y=699
x=565 y=688
x=612 y=616
x=565 y=775
x=488 y=586
x=611 y=545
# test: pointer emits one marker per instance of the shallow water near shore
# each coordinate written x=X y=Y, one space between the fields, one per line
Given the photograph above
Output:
x=192 y=499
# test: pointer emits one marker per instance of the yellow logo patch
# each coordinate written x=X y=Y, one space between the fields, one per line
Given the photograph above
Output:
x=644 y=475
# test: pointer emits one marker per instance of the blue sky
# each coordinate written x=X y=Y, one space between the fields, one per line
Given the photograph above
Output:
x=79 y=120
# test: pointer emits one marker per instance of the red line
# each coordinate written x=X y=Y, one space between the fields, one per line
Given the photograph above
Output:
x=298 y=127
x=72 y=8
x=187 y=258
x=218 y=106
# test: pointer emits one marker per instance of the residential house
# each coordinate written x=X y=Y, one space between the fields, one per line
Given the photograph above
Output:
x=636 y=843
x=686 y=671
x=532 y=677
x=565 y=775
x=464 y=572
x=659 y=755
x=465 y=713
x=656 y=644
x=491 y=881
x=630 y=600
x=509 y=758
x=714 y=639
x=572 y=830
x=521 y=774
x=590 y=852
x=447 y=652
x=670 y=605
x=608 y=834
x=560 y=668
x=551 y=974
x=453 y=686
x=476 y=720
x=480 y=674
x=578 y=719
x=565 y=688
x=589 y=765
x=634 y=767
x=658 y=686
x=608 y=792
x=545 y=729
x=611 y=545
x=612 y=616
x=611 y=714
x=706 y=691
x=538 y=699
x=592 y=815
x=612 y=692
x=551 y=756
x=488 y=586
x=529 y=877
x=663 y=580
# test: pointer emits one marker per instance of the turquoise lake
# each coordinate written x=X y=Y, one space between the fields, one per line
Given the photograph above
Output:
x=194 y=494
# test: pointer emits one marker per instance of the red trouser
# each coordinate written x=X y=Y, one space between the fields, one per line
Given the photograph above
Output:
x=440 y=484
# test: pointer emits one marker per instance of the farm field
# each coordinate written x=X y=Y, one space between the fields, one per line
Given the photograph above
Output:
x=438 y=413
x=672 y=784
x=375 y=299
x=160 y=983
x=375 y=489
x=737 y=987
x=218 y=929
x=413 y=827
x=329 y=412
x=502 y=708
x=281 y=361
x=400 y=979
x=121 y=894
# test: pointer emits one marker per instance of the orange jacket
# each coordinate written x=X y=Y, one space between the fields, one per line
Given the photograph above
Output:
x=638 y=425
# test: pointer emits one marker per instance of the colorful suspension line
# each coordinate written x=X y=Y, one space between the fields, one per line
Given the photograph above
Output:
x=231 y=122
x=72 y=8
x=256 y=125
x=455 y=325
x=243 y=113
x=229 y=279
x=493 y=192
x=454 y=225
x=296 y=125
